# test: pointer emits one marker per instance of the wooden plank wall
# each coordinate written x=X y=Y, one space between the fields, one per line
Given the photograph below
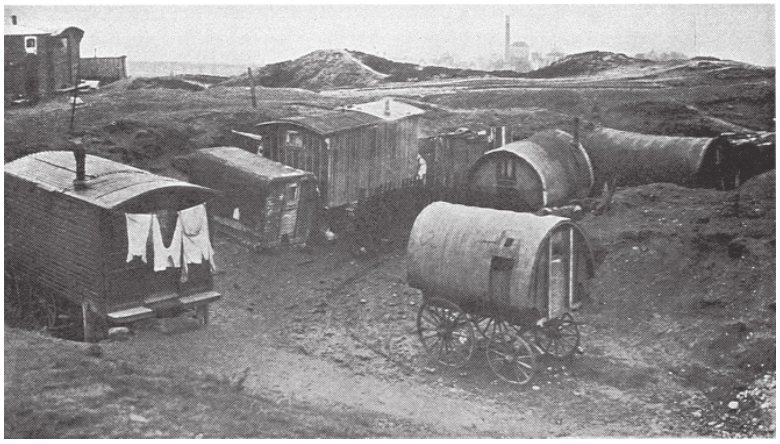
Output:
x=363 y=162
x=103 y=68
x=55 y=237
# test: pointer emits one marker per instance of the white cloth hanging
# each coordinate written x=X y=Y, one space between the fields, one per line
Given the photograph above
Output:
x=196 y=245
x=166 y=257
x=138 y=226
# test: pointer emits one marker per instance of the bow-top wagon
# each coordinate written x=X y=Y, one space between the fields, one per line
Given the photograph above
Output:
x=512 y=278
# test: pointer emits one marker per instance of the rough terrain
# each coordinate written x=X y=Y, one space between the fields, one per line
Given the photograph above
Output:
x=320 y=341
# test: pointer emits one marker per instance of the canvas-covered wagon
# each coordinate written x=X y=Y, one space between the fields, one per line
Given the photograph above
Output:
x=623 y=158
x=121 y=242
x=502 y=274
x=548 y=169
x=264 y=202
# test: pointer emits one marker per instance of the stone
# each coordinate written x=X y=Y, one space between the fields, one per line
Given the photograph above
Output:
x=119 y=333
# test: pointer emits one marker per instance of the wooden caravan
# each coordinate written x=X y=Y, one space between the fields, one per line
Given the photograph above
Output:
x=72 y=236
x=450 y=155
x=262 y=201
x=501 y=274
x=355 y=153
x=547 y=169
x=627 y=159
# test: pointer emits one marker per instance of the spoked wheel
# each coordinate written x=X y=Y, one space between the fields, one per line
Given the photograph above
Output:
x=446 y=332
x=559 y=337
x=509 y=355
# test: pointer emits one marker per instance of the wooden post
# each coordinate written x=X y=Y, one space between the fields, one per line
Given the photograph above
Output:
x=576 y=132
x=89 y=323
x=252 y=87
x=73 y=105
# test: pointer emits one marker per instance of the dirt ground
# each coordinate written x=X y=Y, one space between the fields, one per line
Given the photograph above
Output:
x=681 y=324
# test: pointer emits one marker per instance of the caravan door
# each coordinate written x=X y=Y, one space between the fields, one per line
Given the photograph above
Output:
x=289 y=211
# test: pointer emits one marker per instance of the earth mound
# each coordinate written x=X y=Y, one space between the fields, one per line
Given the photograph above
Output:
x=325 y=69
x=589 y=63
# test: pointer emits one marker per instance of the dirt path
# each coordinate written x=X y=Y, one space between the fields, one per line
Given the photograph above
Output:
x=290 y=351
x=286 y=375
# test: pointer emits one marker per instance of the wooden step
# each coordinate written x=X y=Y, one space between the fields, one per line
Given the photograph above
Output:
x=200 y=298
x=130 y=315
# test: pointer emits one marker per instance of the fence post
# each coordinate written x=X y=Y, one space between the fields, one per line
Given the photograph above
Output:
x=252 y=87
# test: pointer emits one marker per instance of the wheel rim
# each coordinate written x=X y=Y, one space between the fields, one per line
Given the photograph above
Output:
x=559 y=337
x=510 y=356
x=446 y=332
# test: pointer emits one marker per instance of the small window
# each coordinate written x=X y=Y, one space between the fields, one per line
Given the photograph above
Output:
x=293 y=138
x=292 y=193
x=506 y=169
x=31 y=45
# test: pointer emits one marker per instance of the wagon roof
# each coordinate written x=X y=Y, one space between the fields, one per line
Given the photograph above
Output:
x=611 y=150
x=387 y=109
x=17 y=30
x=453 y=244
x=555 y=159
x=259 y=167
x=329 y=122
x=109 y=184
x=352 y=117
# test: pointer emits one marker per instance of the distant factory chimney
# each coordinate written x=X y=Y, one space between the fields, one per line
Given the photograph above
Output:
x=13 y=19
x=506 y=42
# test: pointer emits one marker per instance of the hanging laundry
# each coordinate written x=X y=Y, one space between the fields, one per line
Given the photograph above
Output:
x=166 y=257
x=138 y=226
x=196 y=245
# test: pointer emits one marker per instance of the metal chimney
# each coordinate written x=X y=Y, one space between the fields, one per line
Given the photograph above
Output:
x=81 y=156
x=13 y=19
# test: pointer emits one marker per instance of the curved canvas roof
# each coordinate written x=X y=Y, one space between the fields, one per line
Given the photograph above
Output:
x=256 y=168
x=110 y=185
x=564 y=170
x=634 y=158
x=451 y=247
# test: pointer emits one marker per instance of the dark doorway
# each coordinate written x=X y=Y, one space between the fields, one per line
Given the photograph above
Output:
x=31 y=79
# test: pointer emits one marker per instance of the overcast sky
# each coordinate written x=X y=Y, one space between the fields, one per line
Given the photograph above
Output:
x=260 y=34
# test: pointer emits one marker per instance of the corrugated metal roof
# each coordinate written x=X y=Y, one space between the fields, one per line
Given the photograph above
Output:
x=634 y=158
x=451 y=247
x=329 y=122
x=564 y=170
x=264 y=169
x=109 y=184
x=387 y=109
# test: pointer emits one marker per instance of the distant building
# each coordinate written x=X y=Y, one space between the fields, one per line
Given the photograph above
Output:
x=38 y=62
x=519 y=53
x=539 y=60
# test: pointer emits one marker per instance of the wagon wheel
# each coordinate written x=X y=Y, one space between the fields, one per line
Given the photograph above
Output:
x=559 y=337
x=446 y=332
x=509 y=355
